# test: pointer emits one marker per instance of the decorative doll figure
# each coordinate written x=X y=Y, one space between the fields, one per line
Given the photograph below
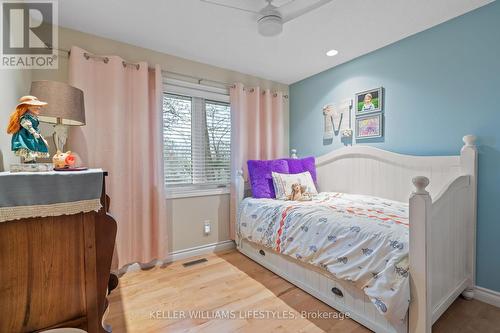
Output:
x=27 y=142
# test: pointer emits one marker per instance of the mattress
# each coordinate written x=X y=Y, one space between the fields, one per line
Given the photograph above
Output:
x=356 y=238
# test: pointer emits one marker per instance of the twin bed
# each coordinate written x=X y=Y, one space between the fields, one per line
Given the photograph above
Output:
x=390 y=239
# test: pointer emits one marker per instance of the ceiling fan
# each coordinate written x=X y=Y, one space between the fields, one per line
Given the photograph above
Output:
x=271 y=18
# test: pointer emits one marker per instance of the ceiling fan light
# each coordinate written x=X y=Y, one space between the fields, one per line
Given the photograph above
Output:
x=270 y=25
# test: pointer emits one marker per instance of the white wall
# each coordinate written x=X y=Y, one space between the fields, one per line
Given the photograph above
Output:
x=14 y=83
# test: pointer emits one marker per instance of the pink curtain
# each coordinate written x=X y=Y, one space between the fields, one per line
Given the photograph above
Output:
x=122 y=135
x=257 y=132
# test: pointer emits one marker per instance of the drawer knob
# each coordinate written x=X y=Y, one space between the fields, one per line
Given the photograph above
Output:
x=337 y=292
x=262 y=253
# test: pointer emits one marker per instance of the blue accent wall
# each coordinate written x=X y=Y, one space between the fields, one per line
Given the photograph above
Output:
x=440 y=84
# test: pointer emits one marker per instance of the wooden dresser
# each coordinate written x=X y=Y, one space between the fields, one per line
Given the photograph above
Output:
x=54 y=271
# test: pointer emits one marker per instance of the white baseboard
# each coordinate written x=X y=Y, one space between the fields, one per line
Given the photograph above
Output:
x=200 y=250
x=487 y=296
x=181 y=255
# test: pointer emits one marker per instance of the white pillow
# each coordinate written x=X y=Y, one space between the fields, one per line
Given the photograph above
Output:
x=283 y=183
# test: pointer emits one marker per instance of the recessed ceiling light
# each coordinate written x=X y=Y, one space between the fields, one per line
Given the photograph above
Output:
x=332 y=53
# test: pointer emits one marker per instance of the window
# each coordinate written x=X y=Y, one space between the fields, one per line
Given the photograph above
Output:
x=196 y=142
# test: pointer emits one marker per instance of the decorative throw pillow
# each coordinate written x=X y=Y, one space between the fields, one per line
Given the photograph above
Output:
x=260 y=174
x=283 y=184
x=298 y=165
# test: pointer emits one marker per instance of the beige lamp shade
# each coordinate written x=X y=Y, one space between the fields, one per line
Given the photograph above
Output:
x=65 y=103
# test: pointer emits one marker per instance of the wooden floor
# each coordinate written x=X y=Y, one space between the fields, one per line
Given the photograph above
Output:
x=160 y=300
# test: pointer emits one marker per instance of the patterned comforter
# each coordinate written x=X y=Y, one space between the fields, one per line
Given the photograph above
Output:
x=356 y=238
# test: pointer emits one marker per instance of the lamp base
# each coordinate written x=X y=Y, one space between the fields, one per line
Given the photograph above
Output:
x=60 y=136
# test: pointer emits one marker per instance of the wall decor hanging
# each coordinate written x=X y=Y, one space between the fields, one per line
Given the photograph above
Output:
x=328 y=117
x=369 y=101
x=337 y=119
x=369 y=126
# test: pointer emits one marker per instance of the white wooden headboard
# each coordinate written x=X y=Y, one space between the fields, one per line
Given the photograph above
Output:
x=371 y=171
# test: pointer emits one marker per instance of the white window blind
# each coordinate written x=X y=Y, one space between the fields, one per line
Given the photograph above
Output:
x=196 y=139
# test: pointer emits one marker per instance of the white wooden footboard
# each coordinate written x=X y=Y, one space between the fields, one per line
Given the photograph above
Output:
x=449 y=239
x=443 y=242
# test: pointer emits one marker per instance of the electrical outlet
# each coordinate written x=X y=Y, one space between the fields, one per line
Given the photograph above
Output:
x=207 y=227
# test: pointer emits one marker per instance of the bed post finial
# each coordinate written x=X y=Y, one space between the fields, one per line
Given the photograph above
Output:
x=420 y=183
x=293 y=154
x=470 y=141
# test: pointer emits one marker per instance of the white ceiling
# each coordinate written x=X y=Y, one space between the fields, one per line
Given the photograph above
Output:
x=228 y=38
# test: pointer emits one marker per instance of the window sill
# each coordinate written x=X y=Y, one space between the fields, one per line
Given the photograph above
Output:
x=194 y=192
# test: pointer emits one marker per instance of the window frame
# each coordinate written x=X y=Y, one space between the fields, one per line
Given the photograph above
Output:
x=196 y=92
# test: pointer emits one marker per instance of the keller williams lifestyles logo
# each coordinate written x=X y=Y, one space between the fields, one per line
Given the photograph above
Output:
x=29 y=34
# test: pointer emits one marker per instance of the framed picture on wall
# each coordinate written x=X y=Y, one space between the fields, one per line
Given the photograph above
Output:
x=369 y=126
x=369 y=101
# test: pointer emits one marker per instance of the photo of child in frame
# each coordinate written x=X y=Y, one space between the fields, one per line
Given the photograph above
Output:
x=369 y=101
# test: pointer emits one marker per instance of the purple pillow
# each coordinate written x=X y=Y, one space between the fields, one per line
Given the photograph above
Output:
x=298 y=165
x=261 y=178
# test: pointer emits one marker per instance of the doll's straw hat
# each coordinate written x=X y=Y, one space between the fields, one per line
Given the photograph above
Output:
x=30 y=100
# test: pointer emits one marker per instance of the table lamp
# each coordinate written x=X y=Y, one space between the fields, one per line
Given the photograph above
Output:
x=65 y=107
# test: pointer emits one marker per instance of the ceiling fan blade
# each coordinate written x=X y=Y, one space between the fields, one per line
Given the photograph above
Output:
x=286 y=4
x=211 y=2
x=305 y=10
